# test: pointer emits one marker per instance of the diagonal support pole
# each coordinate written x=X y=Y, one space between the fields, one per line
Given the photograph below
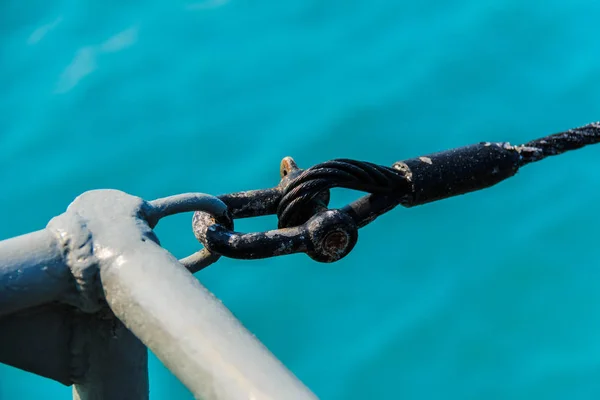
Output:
x=116 y=361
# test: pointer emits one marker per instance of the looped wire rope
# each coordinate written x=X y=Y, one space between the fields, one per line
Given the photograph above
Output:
x=343 y=173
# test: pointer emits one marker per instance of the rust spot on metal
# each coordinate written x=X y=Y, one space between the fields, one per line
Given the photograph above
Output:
x=335 y=242
x=287 y=165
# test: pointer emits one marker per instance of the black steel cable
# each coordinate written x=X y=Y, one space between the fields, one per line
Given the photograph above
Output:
x=303 y=195
x=430 y=178
x=559 y=143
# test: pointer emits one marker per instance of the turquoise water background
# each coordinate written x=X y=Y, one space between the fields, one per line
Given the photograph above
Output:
x=493 y=295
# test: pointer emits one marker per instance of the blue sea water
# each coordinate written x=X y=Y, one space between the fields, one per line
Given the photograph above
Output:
x=493 y=295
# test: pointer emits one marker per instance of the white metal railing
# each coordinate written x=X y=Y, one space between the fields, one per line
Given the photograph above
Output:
x=95 y=288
